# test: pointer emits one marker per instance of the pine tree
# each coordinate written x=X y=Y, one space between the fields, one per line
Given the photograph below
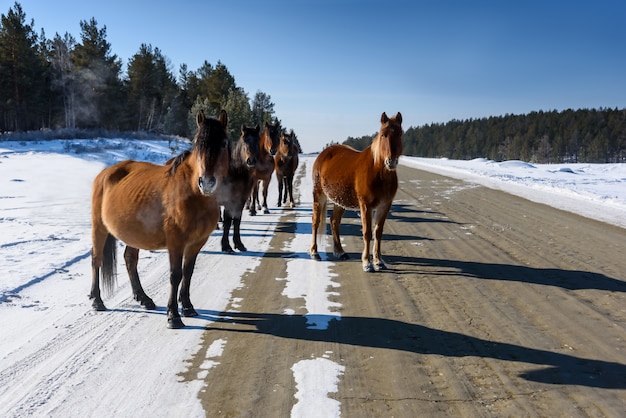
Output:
x=100 y=96
x=23 y=89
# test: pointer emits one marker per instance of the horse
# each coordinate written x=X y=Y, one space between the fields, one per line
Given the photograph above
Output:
x=151 y=207
x=286 y=163
x=264 y=167
x=236 y=187
x=360 y=180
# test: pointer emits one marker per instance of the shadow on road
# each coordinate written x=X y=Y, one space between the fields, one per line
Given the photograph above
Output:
x=556 y=368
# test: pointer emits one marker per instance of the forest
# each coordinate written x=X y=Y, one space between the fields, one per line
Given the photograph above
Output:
x=584 y=135
x=68 y=84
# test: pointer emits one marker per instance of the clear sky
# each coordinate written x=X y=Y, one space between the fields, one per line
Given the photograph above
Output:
x=332 y=67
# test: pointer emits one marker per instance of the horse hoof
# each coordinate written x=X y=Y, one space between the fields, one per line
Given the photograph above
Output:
x=175 y=323
x=98 y=306
x=316 y=257
x=380 y=265
x=266 y=211
x=227 y=250
x=342 y=256
x=252 y=213
x=368 y=267
x=148 y=304
x=241 y=248
x=189 y=312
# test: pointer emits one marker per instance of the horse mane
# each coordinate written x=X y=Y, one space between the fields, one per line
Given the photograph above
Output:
x=177 y=161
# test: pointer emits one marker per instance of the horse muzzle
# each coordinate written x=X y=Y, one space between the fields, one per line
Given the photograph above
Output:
x=391 y=163
x=207 y=186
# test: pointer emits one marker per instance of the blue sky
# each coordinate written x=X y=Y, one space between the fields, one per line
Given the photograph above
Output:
x=332 y=67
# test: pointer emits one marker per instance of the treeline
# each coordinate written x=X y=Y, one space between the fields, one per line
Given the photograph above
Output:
x=597 y=136
x=69 y=83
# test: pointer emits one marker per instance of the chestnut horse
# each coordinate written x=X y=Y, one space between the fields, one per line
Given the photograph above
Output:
x=151 y=207
x=265 y=167
x=286 y=163
x=365 y=181
x=237 y=185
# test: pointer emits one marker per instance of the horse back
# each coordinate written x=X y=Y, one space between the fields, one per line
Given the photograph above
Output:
x=346 y=176
x=143 y=204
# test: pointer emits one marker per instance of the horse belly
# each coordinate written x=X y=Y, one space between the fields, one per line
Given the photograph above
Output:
x=341 y=194
x=138 y=224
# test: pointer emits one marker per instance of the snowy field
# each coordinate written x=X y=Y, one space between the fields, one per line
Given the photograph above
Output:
x=58 y=358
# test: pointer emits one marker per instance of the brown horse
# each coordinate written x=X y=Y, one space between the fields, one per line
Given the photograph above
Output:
x=151 y=207
x=237 y=185
x=364 y=180
x=265 y=167
x=286 y=163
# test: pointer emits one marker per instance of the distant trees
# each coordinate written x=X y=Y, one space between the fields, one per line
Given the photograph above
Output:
x=68 y=83
x=542 y=137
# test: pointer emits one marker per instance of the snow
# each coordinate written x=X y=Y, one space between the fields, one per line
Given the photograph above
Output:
x=596 y=191
x=59 y=358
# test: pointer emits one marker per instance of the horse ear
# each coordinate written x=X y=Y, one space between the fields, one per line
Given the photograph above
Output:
x=257 y=128
x=384 y=118
x=399 y=117
x=200 y=118
x=243 y=128
x=223 y=119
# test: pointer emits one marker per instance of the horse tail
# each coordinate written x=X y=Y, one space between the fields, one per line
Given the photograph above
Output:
x=109 y=265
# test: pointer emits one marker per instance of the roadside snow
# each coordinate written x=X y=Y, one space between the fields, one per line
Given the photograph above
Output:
x=58 y=358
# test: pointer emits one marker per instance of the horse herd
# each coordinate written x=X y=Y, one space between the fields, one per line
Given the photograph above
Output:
x=176 y=206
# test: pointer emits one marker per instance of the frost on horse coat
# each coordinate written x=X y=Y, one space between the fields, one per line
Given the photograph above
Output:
x=360 y=180
x=151 y=207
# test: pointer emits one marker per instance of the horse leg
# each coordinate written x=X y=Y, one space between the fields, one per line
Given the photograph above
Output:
x=379 y=224
x=366 y=221
x=266 y=184
x=286 y=186
x=97 y=250
x=253 y=198
x=191 y=253
x=280 y=190
x=317 y=220
x=335 y=222
x=236 y=234
x=226 y=226
x=176 y=274
x=290 y=184
x=103 y=263
x=131 y=257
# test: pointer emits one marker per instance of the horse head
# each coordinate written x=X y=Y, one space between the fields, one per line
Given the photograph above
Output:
x=387 y=146
x=248 y=149
x=285 y=146
x=210 y=146
x=271 y=137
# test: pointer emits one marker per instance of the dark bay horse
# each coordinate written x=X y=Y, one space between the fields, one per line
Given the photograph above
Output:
x=236 y=187
x=152 y=207
x=286 y=163
x=365 y=181
x=265 y=167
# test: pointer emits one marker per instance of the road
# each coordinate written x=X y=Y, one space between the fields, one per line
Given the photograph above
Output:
x=492 y=306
